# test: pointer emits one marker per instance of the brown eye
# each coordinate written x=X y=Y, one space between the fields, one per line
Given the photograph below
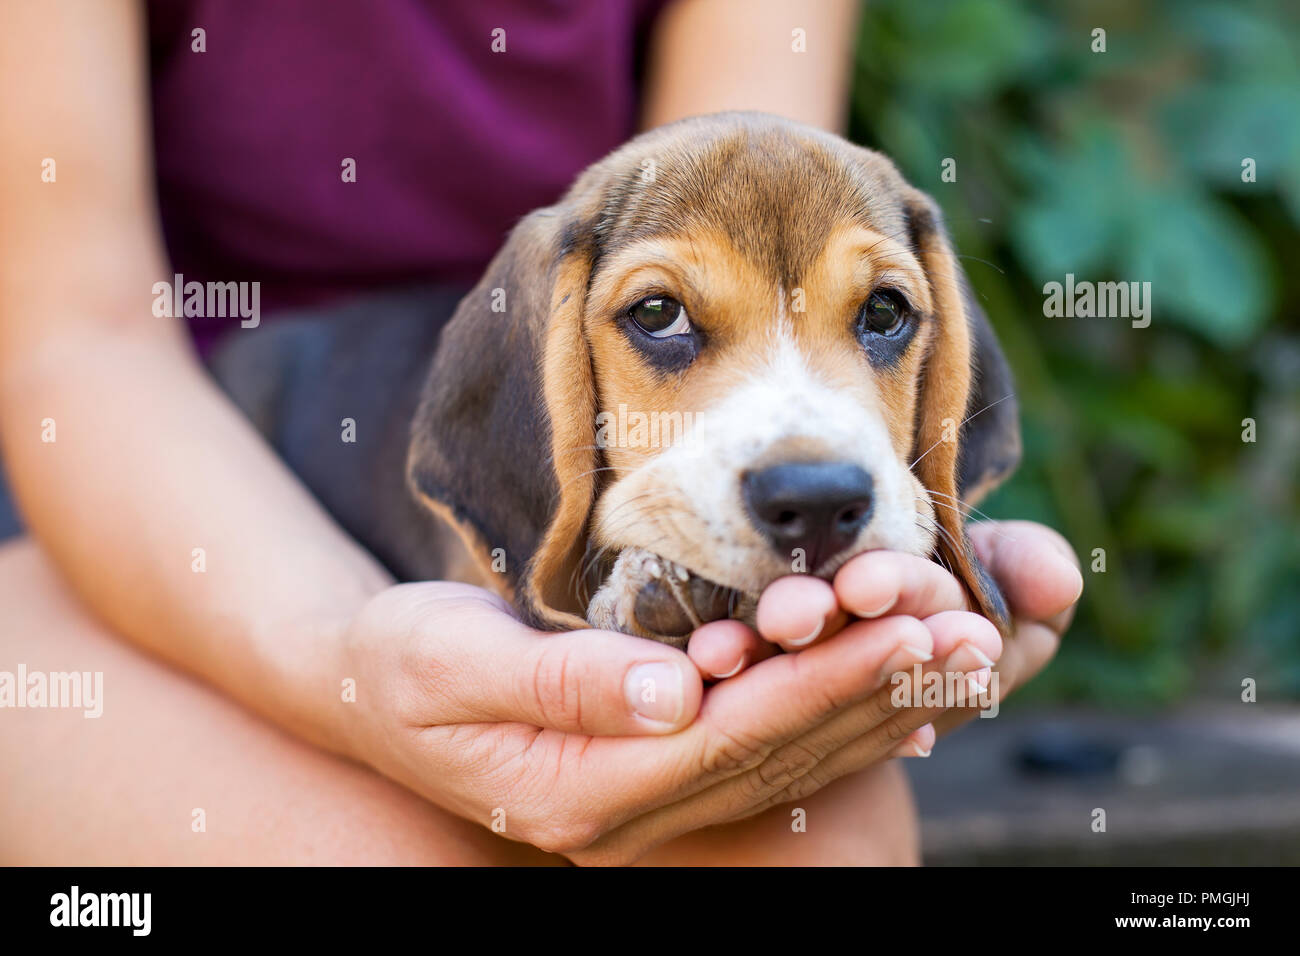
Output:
x=884 y=313
x=660 y=316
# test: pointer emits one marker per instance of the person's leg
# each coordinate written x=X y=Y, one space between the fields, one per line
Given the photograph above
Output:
x=125 y=788
x=868 y=819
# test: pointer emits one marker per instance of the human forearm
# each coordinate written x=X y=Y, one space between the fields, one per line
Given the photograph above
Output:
x=148 y=462
x=176 y=524
x=712 y=55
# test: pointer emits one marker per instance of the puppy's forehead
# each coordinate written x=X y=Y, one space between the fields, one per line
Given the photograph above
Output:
x=776 y=190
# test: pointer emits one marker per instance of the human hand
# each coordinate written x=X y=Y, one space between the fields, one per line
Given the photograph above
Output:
x=1032 y=564
x=512 y=727
x=1040 y=580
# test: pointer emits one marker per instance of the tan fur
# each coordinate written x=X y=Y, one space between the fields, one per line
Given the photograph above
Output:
x=737 y=305
x=945 y=396
x=569 y=394
x=741 y=218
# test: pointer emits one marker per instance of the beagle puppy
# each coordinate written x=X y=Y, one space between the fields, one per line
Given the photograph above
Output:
x=737 y=348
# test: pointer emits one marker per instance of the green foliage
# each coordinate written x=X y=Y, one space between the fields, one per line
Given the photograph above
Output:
x=1127 y=165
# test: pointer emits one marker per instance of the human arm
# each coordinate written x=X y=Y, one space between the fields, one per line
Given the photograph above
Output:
x=149 y=460
x=706 y=56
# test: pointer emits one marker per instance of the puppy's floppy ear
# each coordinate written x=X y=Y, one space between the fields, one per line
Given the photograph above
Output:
x=989 y=443
x=967 y=394
x=503 y=442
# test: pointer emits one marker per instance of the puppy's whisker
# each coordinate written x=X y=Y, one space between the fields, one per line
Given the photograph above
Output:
x=955 y=510
x=939 y=530
x=968 y=508
x=578 y=582
x=944 y=533
x=586 y=566
x=964 y=421
x=564 y=487
x=579 y=579
x=634 y=500
x=962 y=514
x=590 y=559
x=572 y=449
x=985 y=262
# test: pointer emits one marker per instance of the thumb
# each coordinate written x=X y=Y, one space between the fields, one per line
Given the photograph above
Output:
x=604 y=683
x=588 y=682
x=1034 y=566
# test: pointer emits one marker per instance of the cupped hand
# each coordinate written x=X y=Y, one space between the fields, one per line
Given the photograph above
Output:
x=1040 y=579
x=599 y=745
x=1033 y=565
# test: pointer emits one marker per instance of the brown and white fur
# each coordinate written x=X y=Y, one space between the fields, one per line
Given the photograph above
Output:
x=772 y=235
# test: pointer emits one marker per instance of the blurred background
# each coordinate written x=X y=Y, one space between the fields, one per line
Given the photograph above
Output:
x=1127 y=165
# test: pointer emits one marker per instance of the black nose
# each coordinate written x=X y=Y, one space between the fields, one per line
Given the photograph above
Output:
x=819 y=507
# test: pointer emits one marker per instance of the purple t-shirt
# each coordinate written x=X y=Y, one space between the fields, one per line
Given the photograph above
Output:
x=452 y=141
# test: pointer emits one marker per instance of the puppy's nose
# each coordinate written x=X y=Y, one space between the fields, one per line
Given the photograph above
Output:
x=817 y=506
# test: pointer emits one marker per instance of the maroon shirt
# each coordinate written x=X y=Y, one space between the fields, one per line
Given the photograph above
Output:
x=453 y=142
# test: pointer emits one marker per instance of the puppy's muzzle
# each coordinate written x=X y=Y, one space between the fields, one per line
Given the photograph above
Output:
x=816 y=509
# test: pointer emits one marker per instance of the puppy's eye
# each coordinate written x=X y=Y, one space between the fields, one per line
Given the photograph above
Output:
x=884 y=313
x=661 y=317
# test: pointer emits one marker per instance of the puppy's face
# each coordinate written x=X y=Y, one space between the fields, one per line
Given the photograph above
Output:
x=784 y=393
x=751 y=358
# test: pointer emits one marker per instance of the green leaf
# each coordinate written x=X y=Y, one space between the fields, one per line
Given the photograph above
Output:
x=1075 y=217
x=967 y=48
x=1207 y=271
x=1213 y=128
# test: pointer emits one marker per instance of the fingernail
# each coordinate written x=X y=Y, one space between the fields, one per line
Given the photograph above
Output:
x=654 y=692
x=880 y=610
x=733 y=672
x=904 y=658
x=1078 y=576
x=811 y=637
x=911 y=748
x=1069 y=562
x=967 y=657
x=976 y=682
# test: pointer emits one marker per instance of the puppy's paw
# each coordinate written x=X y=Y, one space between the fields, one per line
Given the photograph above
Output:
x=653 y=597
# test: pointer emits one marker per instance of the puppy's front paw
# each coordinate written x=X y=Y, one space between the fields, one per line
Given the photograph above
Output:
x=653 y=597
